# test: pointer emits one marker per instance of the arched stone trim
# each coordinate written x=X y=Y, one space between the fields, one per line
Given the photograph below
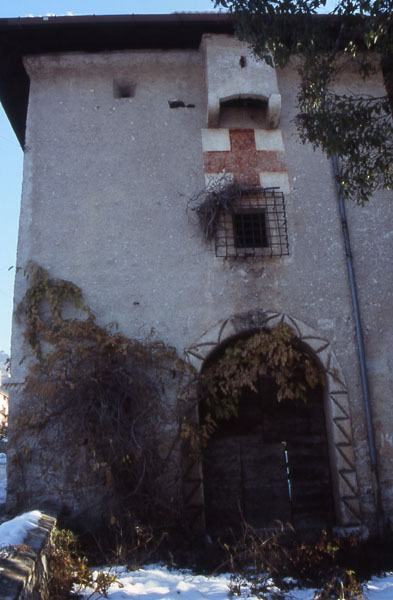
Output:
x=242 y=96
x=338 y=419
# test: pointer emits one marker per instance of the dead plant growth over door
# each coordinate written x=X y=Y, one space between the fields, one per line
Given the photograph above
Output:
x=268 y=460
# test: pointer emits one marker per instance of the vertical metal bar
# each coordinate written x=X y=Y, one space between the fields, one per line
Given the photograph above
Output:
x=359 y=339
x=261 y=232
x=243 y=230
x=356 y=311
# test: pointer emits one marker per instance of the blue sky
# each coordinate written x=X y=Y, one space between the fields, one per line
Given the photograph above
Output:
x=11 y=163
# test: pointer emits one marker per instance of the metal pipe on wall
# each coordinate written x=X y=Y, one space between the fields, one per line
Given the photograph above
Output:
x=359 y=337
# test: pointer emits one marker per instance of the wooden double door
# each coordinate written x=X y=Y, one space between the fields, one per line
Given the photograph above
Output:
x=269 y=464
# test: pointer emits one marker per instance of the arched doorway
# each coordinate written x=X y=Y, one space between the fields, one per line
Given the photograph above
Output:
x=269 y=463
x=336 y=408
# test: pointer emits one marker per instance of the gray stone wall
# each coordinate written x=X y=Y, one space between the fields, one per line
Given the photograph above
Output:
x=24 y=567
x=107 y=183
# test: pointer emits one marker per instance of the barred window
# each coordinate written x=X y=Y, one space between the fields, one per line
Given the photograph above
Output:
x=255 y=226
x=249 y=229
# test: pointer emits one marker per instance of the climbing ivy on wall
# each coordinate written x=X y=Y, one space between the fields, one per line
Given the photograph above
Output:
x=97 y=398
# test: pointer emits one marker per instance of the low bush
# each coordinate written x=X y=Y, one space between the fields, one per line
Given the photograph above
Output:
x=280 y=558
x=68 y=571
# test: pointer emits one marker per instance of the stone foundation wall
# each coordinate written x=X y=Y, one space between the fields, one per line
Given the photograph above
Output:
x=24 y=568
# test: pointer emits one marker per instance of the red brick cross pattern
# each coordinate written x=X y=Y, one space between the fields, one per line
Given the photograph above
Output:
x=243 y=161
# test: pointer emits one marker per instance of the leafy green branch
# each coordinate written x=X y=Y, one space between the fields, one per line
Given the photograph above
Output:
x=357 y=130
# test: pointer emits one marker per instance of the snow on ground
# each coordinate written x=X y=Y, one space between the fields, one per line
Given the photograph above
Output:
x=14 y=532
x=380 y=588
x=156 y=582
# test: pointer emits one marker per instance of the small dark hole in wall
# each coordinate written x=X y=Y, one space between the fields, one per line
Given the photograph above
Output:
x=179 y=104
x=243 y=61
x=122 y=88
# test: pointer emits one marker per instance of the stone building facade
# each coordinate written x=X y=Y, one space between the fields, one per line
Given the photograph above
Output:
x=120 y=135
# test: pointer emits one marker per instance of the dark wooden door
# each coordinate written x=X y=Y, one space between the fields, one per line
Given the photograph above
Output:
x=269 y=464
x=245 y=478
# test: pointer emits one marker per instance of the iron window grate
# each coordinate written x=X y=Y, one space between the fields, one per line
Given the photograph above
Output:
x=249 y=229
x=255 y=226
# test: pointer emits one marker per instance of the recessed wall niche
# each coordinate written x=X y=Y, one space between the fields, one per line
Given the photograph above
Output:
x=241 y=112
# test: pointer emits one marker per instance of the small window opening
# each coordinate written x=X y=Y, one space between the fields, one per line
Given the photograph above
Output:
x=249 y=230
x=254 y=226
x=179 y=104
x=123 y=88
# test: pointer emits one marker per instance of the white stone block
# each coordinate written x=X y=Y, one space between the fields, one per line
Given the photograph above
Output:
x=269 y=140
x=216 y=140
x=277 y=179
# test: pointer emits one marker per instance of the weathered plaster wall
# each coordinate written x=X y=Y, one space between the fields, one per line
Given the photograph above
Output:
x=371 y=233
x=106 y=187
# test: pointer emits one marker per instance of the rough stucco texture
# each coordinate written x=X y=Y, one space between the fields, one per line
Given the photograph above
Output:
x=106 y=186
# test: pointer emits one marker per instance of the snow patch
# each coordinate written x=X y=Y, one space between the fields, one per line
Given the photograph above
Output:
x=380 y=588
x=14 y=532
x=155 y=582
